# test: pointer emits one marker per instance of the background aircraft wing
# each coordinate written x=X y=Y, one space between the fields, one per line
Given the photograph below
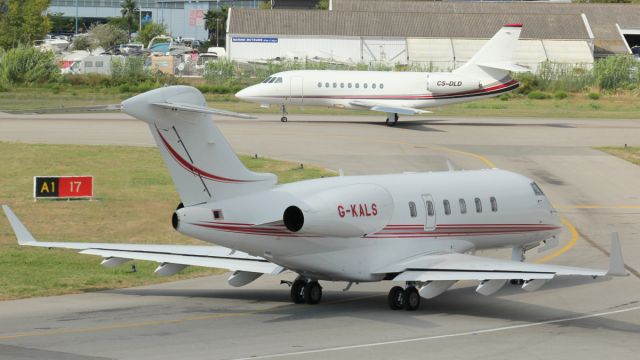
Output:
x=388 y=109
x=116 y=254
x=453 y=266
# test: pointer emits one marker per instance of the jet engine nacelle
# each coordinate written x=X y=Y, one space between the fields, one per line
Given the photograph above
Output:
x=348 y=211
x=448 y=83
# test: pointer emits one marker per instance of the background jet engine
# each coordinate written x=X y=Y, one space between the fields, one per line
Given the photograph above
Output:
x=348 y=211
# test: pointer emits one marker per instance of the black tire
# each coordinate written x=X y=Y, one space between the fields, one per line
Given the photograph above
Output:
x=284 y=119
x=312 y=292
x=297 y=291
x=396 y=298
x=411 y=299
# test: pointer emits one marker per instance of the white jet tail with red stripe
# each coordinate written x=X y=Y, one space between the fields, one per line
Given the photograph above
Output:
x=201 y=162
x=494 y=60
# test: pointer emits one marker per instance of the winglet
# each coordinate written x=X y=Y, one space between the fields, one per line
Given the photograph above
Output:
x=22 y=234
x=616 y=263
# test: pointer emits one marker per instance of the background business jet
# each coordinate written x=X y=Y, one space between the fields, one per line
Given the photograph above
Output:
x=486 y=74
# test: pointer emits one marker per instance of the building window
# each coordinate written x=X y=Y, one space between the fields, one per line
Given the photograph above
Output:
x=88 y=64
x=99 y=63
x=478 y=205
x=494 y=204
x=412 y=209
x=463 y=206
x=319 y=84
x=447 y=207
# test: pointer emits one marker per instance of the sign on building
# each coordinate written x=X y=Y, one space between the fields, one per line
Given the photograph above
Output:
x=62 y=187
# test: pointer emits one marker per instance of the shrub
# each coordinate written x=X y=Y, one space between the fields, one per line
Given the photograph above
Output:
x=615 y=72
x=27 y=66
x=504 y=97
x=594 y=96
x=538 y=95
x=560 y=94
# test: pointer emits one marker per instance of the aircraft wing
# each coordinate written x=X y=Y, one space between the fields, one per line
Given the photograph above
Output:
x=388 y=109
x=116 y=254
x=454 y=266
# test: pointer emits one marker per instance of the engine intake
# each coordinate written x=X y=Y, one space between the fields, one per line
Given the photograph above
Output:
x=293 y=218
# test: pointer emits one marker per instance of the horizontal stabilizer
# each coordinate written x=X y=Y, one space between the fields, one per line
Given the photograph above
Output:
x=200 y=109
x=508 y=66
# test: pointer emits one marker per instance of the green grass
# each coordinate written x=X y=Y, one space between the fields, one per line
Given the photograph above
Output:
x=629 y=153
x=620 y=106
x=135 y=198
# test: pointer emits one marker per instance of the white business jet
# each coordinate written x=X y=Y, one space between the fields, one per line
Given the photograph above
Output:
x=416 y=229
x=486 y=74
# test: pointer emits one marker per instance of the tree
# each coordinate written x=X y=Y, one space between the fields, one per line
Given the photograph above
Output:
x=215 y=21
x=322 y=5
x=22 y=22
x=128 y=11
x=108 y=35
x=151 y=30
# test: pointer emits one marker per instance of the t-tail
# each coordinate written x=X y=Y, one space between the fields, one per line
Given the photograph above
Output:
x=494 y=60
x=201 y=162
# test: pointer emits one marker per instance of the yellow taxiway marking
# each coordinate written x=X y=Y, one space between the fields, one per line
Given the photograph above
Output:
x=564 y=249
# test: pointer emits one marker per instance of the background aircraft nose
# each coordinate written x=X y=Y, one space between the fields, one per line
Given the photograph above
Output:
x=244 y=94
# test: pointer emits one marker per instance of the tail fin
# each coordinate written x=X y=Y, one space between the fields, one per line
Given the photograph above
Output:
x=201 y=162
x=494 y=59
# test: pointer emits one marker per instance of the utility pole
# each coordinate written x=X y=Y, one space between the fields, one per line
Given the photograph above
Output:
x=76 y=17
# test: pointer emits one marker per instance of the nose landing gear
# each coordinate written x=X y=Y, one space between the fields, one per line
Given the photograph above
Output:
x=392 y=119
x=408 y=298
x=283 y=109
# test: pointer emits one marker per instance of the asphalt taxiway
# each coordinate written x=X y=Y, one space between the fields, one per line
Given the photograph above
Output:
x=205 y=318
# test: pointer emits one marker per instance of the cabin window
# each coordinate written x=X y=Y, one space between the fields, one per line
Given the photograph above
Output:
x=278 y=80
x=463 y=206
x=430 y=210
x=412 y=209
x=319 y=84
x=326 y=84
x=478 y=205
x=373 y=86
x=447 y=207
x=357 y=85
x=335 y=85
x=365 y=85
x=536 y=189
x=342 y=85
x=349 y=85
x=494 y=204
x=217 y=215
x=381 y=86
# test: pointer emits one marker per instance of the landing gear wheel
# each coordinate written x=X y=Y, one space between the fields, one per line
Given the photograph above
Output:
x=283 y=110
x=396 y=298
x=297 y=291
x=284 y=119
x=312 y=292
x=411 y=299
x=395 y=119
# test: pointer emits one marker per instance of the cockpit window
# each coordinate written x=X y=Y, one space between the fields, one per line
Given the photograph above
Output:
x=272 y=80
x=536 y=189
x=278 y=80
x=267 y=80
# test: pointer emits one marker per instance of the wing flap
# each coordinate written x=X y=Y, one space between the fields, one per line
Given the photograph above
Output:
x=431 y=275
x=206 y=256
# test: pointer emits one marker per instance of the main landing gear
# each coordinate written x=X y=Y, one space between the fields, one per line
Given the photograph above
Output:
x=407 y=298
x=306 y=291
x=283 y=109
x=392 y=119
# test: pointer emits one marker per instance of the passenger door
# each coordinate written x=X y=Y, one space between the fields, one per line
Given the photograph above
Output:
x=430 y=212
x=296 y=95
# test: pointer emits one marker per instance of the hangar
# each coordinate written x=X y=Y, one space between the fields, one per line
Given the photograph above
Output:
x=439 y=41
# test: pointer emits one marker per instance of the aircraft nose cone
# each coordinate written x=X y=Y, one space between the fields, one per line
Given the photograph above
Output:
x=243 y=94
